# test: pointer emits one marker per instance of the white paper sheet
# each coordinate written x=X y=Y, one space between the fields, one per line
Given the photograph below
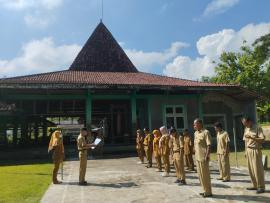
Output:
x=96 y=142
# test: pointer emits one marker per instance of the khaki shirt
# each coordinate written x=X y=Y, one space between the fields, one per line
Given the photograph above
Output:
x=156 y=146
x=177 y=143
x=164 y=144
x=139 y=142
x=188 y=146
x=148 y=140
x=222 y=142
x=81 y=143
x=255 y=132
x=202 y=139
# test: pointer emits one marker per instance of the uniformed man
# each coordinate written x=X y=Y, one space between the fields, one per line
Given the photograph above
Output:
x=56 y=145
x=188 y=150
x=254 y=137
x=156 y=150
x=178 y=156
x=223 y=149
x=202 y=143
x=139 y=146
x=148 y=147
x=164 y=146
x=82 y=148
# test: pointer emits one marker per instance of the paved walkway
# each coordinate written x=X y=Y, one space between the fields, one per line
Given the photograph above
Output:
x=122 y=180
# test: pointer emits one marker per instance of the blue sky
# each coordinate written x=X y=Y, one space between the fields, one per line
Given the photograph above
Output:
x=178 y=38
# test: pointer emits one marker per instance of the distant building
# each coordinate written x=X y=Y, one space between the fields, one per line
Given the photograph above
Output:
x=103 y=86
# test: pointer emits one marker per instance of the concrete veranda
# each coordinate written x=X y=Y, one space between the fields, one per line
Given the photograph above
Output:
x=122 y=180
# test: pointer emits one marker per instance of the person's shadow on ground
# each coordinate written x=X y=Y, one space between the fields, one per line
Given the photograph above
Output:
x=246 y=198
x=112 y=185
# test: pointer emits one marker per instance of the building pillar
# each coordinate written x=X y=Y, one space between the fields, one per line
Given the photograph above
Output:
x=133 y=113
x=88 y=110
x=44 y=131
x=149 y=111
x=36 y=132
x=15 y=135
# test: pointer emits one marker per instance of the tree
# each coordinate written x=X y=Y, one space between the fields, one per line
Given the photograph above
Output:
x=249 y=68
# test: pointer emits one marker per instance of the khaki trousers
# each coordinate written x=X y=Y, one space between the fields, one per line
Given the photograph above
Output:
x=189 y=161
x=55 y=170
x=140 y=154
x=83 y=164
x=158 y=161
x=224 y=166
x=166 y=162
x=178 y=160
x=148 y=154
x=204 y=176
x=255 y=167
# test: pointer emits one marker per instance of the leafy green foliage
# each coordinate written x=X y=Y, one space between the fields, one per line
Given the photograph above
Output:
x=249 y=68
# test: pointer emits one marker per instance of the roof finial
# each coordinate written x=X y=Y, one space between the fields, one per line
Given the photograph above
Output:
x=101 y=11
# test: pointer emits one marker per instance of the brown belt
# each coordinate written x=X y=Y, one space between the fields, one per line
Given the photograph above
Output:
x=253 y=148
x=177 y=151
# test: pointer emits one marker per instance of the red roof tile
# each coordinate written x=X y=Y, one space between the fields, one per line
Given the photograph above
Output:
x=106 y=78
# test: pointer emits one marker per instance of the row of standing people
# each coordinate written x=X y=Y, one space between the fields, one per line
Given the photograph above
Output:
x=163 y=143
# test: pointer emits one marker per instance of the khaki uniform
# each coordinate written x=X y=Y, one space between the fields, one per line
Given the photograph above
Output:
x=254 y=156
x=148 y=148
x=56 y=144
x=188 y=152
x=81 y=143
x=178 y=156
x=202 y=140
x=223 y=141
x=156 y=152
x=164 y=145
x=139 y=147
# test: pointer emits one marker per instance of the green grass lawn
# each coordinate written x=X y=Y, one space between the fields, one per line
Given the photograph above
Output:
x=241 y=158
x=24 y=183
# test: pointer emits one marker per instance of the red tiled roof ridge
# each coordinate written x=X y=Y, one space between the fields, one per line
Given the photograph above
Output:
x=116 y=73
x=188 y=80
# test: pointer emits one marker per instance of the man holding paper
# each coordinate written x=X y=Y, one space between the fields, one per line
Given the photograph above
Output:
x=82 y=148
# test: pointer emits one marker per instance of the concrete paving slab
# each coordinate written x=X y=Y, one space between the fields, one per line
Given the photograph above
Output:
x=122 y=180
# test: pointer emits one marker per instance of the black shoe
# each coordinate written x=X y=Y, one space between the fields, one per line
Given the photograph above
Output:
x=226 y=181
x=219 y=178
x=177 y=181
x=205 y=195
x=202 y=193
x=83 y=183
x=183 y=182
x=259 y=191
x=251 y=188
x=148 y=166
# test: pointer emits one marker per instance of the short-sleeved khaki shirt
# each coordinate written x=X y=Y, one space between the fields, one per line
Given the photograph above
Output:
x=81 y=143
x=255 y=132
x=177 y=143
x=202 y=139
x=164 y=144
x=148 y=140
x=222 y=142
x=188 y=146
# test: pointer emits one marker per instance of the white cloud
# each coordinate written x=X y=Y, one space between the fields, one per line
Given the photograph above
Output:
x=219 y=6
x=37 y=13
x=144 y=61
x=39 y=56
x=28 y=4
x=185 y=67
x=210 y=47
x=230 y=40
x=37 y=21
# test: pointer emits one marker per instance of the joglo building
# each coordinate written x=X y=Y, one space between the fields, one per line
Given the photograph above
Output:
x=102 y=86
